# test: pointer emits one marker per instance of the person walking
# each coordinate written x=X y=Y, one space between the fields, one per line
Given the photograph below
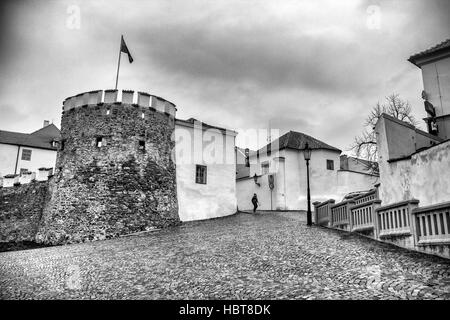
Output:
x=255 y=202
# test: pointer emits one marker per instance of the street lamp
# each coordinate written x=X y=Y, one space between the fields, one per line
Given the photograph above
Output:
x=307 y=155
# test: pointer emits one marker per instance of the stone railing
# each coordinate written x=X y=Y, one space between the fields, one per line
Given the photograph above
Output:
x=405 y=224
x=432 y=224
x=322 y=212
x=11 y=180
x=396 y=219
x=141 y=99
x=340 y=215
x=363 y=216
x=366 y=197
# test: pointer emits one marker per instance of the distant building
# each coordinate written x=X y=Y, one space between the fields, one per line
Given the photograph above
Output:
x=23 y=152
x=435 y=65
x=242 y=170
x=283 y=159
x=358 y=165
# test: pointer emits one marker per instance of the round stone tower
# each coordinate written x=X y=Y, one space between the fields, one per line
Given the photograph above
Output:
x=114 y=172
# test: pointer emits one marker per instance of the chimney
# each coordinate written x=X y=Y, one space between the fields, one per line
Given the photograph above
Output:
x=46 y=123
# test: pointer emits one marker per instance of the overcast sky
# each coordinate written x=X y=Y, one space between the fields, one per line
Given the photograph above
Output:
x=311 y=66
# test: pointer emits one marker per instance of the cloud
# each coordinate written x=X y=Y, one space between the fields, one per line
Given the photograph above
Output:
x=309 y=66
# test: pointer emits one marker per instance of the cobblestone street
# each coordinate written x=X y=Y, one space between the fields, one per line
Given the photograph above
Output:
x=263 y=256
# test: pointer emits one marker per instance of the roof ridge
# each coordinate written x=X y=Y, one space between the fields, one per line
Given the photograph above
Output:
x=436 y=48
x=46 y=127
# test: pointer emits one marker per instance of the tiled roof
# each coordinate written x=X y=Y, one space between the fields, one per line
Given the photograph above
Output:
x=437 y=48
x=41 y=138
x=297 y=140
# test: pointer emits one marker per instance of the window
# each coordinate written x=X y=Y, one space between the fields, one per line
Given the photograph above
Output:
x=108 y=111
x=200 y=174
x=141 y=145
x=330 y=165
x=265 y=168
x=98 y=142
x=143 y=115
x=22 y=171
x=63 y=144
x=26 y=154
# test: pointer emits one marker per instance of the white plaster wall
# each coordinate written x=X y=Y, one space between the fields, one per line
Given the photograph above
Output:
x=8 y=154
x=436 y=82
x=39 y=158
x=438 y=92
x=348 y=181
x=245 y=188
x=217 y=197
x=426 y=177
x=323 y=182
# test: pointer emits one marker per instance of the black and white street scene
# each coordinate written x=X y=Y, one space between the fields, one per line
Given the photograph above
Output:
x=225 y=150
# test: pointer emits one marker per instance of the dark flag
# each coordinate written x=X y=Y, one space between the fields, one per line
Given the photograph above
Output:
x=124 y=49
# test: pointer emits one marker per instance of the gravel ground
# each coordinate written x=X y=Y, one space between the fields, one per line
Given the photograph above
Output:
x=262 y=256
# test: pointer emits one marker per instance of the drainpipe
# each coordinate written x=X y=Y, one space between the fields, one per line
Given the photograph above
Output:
x=17 y=158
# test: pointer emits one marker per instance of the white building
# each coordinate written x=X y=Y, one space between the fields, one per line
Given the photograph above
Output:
x=435 y=65
x=205 y=169
x=413 y=163
x=22 y=152
x=284 y=159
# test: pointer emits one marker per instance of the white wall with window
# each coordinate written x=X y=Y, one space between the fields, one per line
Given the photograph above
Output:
x=32 y=159
x=206 y=171
x=27 y=158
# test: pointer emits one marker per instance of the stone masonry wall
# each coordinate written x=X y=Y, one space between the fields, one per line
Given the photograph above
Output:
x=117 y=188
x=21 y=209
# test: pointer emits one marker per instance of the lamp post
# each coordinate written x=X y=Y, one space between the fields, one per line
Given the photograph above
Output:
x=307 y=154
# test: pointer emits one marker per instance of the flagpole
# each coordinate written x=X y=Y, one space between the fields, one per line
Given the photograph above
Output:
x=118 y=64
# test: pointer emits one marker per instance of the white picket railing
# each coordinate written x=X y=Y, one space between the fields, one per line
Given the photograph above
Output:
x=395 y=219
x=433 y=224
x=323 y=212
x=363 y=216
x=340 y=215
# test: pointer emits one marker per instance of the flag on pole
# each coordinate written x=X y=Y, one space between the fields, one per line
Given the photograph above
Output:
x=124 y=49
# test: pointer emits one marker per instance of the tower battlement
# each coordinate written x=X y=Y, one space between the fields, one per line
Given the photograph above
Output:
x=143 y=99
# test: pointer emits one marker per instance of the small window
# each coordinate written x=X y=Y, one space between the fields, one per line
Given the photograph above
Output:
x=22 y=171
x=330 y=165
x=141 y=145
x=63 y=144
x=143 y=115
x=265 y=168
x=200 y=174
x=26 y=154
x=108 y=111
x=99 y=141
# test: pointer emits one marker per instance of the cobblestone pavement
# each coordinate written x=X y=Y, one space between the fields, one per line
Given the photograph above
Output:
x=263 y=256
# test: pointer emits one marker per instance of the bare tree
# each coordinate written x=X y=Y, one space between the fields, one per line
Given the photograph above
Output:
x=365 y=145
